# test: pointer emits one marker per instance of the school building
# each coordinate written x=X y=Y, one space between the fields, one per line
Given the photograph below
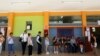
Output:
x=59 y=18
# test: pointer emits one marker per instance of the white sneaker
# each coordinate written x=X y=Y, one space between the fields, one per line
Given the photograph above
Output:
x=47 y=53
x=54 y=52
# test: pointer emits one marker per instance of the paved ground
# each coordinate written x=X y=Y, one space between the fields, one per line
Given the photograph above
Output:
x=18 y=53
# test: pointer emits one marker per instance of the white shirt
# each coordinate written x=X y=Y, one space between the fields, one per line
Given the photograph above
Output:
x=30 y=42
x=24 y=37
x=10 y=40
x=73 y=41
x=46 y=41
x=37 y=39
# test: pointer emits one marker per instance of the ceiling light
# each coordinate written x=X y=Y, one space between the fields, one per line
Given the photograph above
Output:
x=20 y=2
x=67 y=1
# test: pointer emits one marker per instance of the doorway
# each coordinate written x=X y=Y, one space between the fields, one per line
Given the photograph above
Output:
x=4 y=32
x=64 y=32
x=3 y=28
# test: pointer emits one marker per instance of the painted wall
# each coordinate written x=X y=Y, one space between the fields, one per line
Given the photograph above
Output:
x=52 y=32
x=78 y=32
x=20 y=24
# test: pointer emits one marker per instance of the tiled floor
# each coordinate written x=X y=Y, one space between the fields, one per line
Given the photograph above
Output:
x=18 y=53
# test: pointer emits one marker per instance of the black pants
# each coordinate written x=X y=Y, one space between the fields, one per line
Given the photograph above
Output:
x=23 y=47
x=30 y=47
x=39 y=48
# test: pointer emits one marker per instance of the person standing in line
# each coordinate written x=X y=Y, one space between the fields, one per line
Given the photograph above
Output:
x=93 y=44
x=62 y=42
x=30 y=44
x=1 y=42
x=93 y=40
x=10 y=42
x=56 y=44
x=24 y=37
x=47 y=44
x=39 y=42
x=80 y=44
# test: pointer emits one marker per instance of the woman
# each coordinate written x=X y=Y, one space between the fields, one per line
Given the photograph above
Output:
x=93 y=41
x=30 y=44
x=93 y=44
x=62 y=43
x=10 y=42
x=80 y=44
x=1 y=42
x=55 y=43
x=47 y=44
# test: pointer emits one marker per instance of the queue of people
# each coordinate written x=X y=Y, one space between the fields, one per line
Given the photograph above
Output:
x=69 y=44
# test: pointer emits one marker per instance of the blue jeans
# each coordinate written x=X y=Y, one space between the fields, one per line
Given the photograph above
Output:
x=10 y=48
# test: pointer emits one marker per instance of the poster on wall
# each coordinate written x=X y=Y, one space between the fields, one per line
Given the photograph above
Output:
x=29 y=25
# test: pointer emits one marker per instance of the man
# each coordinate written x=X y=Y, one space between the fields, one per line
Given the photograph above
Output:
x=24 y=37
x=39 y=42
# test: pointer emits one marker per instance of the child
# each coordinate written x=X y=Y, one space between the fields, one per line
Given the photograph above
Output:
x=47 y=44
x=10 y=42
x=55 y=43
x=80 y=44
x=30 y=44
x=39 y=43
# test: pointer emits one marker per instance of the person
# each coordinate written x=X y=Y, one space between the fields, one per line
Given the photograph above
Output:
x=93 y=44
x=80 y=44
x=23 y=38
x=62 y=42
x=47 y=44
x=1 y=42
x=10 y=41
x=56 y=45
x=67 y=44
x=93 y=40
x=39 y=42
x=30 y=44
x=73 y=44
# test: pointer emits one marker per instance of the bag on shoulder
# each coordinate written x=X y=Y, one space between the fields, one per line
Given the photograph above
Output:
x=20 y=39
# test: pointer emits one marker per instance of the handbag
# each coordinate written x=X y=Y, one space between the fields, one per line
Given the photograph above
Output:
x=20 y=39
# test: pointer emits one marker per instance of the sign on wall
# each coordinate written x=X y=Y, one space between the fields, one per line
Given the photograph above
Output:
x=29 y=25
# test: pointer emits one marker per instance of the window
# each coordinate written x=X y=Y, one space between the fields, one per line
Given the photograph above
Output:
x=93 y=20
x=65 y=20
x=3 y=21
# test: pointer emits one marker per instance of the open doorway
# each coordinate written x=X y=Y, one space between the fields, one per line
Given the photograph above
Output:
x=3 y=28
x=4 y=32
